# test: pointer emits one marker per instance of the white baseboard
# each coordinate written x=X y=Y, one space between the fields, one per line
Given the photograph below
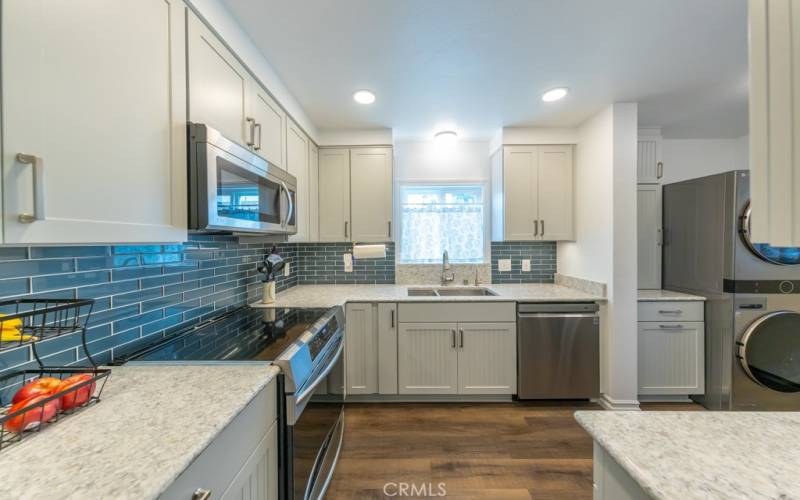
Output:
x=609 y=403
x=643 y=398
x=426 y=398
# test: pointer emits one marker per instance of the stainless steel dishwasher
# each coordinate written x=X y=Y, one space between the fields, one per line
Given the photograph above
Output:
x=558 y=351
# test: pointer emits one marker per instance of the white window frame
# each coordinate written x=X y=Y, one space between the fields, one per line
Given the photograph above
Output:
x=487 y=216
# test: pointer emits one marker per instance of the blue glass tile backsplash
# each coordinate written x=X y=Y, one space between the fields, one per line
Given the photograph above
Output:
x=542 y=255
x=141 y=292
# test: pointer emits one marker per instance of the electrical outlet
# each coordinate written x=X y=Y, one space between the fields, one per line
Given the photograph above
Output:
x=287 y=270
x=526 y=265
x=348 y=262
x=504 y=265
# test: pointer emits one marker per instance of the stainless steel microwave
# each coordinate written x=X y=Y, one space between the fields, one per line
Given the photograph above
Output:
x=233 y=189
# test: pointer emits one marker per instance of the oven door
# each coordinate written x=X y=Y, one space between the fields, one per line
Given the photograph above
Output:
x=316 y=429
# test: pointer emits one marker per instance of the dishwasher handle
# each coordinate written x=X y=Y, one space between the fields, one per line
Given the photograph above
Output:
x=556 y=315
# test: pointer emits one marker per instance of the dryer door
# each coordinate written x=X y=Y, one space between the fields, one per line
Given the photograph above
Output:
x=781 y=256
x=769 y=351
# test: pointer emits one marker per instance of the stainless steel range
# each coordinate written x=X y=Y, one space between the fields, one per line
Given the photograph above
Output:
x=307 y=345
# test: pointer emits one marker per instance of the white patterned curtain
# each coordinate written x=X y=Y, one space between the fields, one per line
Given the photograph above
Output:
x=428 y=229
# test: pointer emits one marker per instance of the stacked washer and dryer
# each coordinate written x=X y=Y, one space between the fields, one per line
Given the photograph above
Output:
x=752 y=291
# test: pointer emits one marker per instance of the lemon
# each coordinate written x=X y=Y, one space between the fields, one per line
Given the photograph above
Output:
x=13 y=325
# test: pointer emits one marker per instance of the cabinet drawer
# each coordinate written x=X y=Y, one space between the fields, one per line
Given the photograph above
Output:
x=219 y=464
x=449 y=312
x=671 y=311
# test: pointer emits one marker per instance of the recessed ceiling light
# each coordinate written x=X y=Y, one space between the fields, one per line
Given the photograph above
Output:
x=445 y=137
x=364 y=97
x=554 y=94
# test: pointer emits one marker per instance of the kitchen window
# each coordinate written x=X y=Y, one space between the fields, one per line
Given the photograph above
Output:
x=435 y=218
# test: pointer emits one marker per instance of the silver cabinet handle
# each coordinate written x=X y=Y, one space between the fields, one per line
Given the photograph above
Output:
x=454 y=338
x=345 y=229
x=258 y=126
x=536 y=227
x=542 y=226
x=671 y=327
x=38 y=187
x=201 y=494
x=670 y=311
x=461 y=338
x=659 y=170
x=659 y=237
x=392 y=315
x=252 y=122
x=389 y=223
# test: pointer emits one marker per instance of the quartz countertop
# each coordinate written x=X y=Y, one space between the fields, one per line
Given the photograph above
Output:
x=708 y=455
x=333 y=295
x=667 y=296
x=151 y=423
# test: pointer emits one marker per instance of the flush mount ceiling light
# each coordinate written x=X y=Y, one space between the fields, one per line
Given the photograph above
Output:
x=445 y=137
x=554 y=94
x=364 y=97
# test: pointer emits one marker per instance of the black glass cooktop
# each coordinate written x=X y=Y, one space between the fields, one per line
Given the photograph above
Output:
x=245 y=334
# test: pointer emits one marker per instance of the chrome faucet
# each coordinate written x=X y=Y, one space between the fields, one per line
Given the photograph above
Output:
x=446 y=277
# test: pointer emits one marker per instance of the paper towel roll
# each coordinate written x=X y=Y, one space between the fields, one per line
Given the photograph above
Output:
x=369 y=251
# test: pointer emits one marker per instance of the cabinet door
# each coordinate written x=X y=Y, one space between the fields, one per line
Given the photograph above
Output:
x=648 y=158
x=387 y=348
x=258 y=478
x=334 y=195
x=520 y=181
x=361 y=349
x=270 y=126
x=297 y=165
x=671 y=358
x=555 y=193
x=649 y=234
x=371 y=202
x=313 y=192
x=96 y=91
x=427 y=359
x=219 y=86
x=487 y=358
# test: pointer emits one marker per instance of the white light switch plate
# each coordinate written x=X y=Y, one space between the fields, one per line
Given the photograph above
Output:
x=526 y=264
x=287 y=269
x=348 y=262
x=504 y=264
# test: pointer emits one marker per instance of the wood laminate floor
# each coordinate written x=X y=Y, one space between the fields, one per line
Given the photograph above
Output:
x=475 y=451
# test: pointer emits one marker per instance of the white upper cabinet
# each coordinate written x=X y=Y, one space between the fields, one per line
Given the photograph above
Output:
x=219 y=86
x=536 y=199
x=555 y=193
x=269 y=127
x=334 y=195
x=649 y=234
x=313 y=192
x=94 y=103
x=355 y=194
x=649 y=168
x=371 y=188
x=774 y=112
x=297 y=164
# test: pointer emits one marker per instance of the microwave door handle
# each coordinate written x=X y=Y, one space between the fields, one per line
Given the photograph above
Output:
x=291 y=204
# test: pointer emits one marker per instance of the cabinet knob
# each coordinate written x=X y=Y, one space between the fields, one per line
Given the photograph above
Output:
x=201 y=494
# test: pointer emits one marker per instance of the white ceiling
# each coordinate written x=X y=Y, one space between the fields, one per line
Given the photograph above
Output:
x=483 y=64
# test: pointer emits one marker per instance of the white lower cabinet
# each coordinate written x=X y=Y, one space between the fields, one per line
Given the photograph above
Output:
x=457 y=358
x=361 y=348
x=611 y=481
x=671 y=346
x=242 y=461
x=427 y=359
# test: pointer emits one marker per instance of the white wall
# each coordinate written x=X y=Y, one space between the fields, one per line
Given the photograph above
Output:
x=363 y=137
x=690 y=158
x=605 y=246
x=462 y=161
x=228 y=28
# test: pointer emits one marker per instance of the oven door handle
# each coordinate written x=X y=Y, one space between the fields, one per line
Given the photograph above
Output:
x=308 y=391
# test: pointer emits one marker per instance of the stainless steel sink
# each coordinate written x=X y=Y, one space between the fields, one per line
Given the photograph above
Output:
x=465 y=292
x=450 y=292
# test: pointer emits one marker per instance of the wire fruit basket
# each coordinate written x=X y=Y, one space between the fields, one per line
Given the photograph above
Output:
x=32 y=399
